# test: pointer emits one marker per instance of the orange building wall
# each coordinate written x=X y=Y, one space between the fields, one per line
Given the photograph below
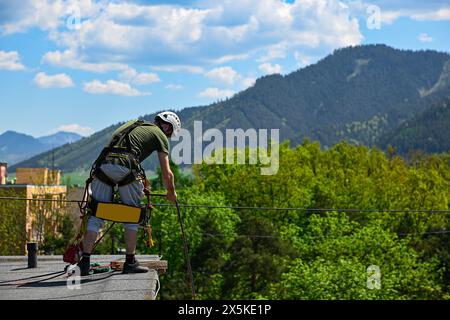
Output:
x=38 y=176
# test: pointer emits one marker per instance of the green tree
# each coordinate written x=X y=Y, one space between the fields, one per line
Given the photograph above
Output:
x=13 y=235
x=335 y=253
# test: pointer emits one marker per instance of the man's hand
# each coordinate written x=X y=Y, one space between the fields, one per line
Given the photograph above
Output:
x=172 y=196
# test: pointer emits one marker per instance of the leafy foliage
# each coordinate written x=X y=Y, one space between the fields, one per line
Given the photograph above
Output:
x=301 y=255
x=12 y=224
x=335 y=253
x=57 y=243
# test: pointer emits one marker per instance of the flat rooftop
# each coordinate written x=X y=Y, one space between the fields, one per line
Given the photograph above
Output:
x=47 y=282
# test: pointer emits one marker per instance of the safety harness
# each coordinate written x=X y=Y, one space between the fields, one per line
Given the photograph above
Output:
x=118 y=150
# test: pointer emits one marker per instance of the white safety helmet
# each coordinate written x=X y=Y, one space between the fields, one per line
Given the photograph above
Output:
x=172 y=118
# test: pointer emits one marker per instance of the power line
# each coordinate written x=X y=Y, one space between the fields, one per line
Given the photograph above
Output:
x=349 y=210
x=261 y=236
x=39 y=199
x=425 y=233
x=257 y=236
x=305 y=209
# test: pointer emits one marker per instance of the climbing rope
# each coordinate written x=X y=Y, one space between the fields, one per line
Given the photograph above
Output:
x=186 y=252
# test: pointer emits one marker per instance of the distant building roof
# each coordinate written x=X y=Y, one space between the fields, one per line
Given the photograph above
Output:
x=112 y=285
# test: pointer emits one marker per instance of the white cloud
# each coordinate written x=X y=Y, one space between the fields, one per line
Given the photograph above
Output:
x=60 y=80
x=248 y=82
x=277 y=51
x=174 y=87
x=178 y=68
x=10 y=60
x=136 y=31
x=19 y=16
x=111 y=34
x=388 y=17
x=423 y=37
x=268 y=68
x=76 y=128
x=321 y=23
x=230 y=57
x=230 y=77
x=112 y=87
x=70 y=59
x=302 y=59
x=393 y=10
x=216 y=93
x=132 y=76
x=23 y=15
x=225 y=75
x=440 y=14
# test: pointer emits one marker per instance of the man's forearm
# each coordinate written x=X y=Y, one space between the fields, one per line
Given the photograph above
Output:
x=169 y=181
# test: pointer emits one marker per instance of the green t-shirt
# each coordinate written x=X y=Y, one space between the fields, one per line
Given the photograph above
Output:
x=145 y=139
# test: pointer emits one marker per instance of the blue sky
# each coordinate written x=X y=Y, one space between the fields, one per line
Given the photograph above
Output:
x=83 y=65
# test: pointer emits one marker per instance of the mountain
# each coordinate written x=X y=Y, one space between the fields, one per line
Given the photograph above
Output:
x=428 y=131
x=356 y=93
x=16 y=147
x=73 y=156
x=60 y=138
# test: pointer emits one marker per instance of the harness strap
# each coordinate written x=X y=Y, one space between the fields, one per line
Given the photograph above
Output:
x=130 y=178
x=100 y=175
x=115 y=143
x=118 y=138
x=115 y=147
x=103 y=177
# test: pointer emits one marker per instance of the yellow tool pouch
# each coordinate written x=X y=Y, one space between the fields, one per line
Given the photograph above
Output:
x=117 y=212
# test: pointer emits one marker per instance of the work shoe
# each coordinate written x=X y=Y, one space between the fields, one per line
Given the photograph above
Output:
x=85 y=266
x=133 y=268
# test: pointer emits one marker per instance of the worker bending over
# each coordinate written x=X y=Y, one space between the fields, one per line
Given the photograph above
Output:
x=141 y=139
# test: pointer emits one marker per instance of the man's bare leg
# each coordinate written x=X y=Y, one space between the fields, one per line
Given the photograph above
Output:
x=88 y=241
x=131 y=265
x=130 y=241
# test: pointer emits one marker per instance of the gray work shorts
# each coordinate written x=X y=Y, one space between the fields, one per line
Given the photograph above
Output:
x=130 y=194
